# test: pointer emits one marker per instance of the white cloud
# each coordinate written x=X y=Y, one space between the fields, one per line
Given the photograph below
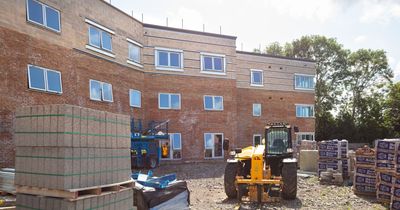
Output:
x=360 y=39
x=380 y=11
x=308 y=9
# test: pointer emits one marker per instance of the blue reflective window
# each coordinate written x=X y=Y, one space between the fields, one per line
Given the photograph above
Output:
x=44 y=79
x=218 y=63
x=256 y=77
x=54 y=81
x=163 y=58
x=208 y=63
x=209 y=141
x=134 y=53
x=208 y=102
x=37 y=78
x=174 y=59
x=35 y=12
x=106 y=41
x=218 y=103
x=94 y=36
x=135 y=98
x=52 y=19
x=213 y=63
x=175 y=101
x=304 y=82
x=164 y=101
x=44 y=15
x=256 y=109
x=176 y=141
x=107 y=92
x=304 y=111
x=95 y=90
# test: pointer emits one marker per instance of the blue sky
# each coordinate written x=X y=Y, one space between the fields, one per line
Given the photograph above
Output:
x=356 y=24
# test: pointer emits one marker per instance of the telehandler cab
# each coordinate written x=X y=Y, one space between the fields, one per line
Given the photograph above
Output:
x=266 y=172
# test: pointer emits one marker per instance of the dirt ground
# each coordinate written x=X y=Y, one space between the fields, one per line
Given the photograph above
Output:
x=206 y=185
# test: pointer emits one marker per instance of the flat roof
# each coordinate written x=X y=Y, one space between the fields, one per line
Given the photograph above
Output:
x=275 y=56
x=188 y=31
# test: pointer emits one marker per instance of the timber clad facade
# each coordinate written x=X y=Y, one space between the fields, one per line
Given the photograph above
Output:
x=199 y=81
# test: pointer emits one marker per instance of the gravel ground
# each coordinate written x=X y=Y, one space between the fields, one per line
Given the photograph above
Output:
x=206 y=185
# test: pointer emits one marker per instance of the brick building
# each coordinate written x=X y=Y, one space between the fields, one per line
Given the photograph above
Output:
x=91 y=54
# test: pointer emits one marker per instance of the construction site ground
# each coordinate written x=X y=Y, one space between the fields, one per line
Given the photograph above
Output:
x=206 y=185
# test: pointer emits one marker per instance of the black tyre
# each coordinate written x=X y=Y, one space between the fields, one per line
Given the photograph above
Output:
x=289 y=176
x=231 y=171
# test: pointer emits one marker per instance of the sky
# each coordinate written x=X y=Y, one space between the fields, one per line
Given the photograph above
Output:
x=370 y=24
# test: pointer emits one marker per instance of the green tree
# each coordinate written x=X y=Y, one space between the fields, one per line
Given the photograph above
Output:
x=331 y=65
x=392 y=115
x=274 y=49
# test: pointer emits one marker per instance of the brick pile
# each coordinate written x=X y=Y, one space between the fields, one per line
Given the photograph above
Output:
x=386 y=174
x=64 y=147
x=122 y=200
x=333 y=155
x=365 y=176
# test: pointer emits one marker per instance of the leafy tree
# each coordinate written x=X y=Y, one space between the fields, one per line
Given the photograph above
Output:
x=274 y=49
x=392 y=115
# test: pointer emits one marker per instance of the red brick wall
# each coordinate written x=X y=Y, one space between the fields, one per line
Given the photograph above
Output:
x=18 y=50
x=276 y=106
x=192 y=121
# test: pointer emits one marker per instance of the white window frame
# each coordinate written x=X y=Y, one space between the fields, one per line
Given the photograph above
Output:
x=213 y=102
x=169 y=101
x=304 y=75
x=100 y=49
x=140 y=46
x=213 y=148
x=305 y=105
x=254 y=139
x=254 y=115
x=46 y=82
x=102 y=91
x=169 y=67
x=252 y=79
x=171 y=148
x=140 y=98
x=213 y=71
x=305 y=133
x=44 y=16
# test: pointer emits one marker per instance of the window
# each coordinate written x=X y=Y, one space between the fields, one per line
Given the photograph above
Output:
x=44 y=79
x=169 y=101
x=213 y=144
x=100 y=39
x=213 y=103
x=43 y=15
x=304 y=110
x=212 y=63
x=256 y=110
x=168 y=59
x=135 y=98
x=172 y=148
x=304 y=82
x=100 y=91
x=257 y=139
x=257 y=77
x=134 y=53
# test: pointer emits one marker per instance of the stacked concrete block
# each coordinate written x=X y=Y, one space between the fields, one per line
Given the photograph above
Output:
x=65 y=147
x=365 y=175
x=333 y=155
x=122 y=200
x=385 y=166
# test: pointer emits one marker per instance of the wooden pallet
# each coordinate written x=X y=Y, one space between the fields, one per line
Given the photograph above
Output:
x=74 y=194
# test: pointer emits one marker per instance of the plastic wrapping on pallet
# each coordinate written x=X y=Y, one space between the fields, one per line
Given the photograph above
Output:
x=365 y=175
x=364 y=180
x=365 y=160
x=333 y=155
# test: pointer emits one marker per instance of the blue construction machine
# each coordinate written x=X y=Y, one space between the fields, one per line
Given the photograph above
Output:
x=145 y=143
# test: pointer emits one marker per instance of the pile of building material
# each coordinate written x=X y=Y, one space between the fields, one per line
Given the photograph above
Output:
x=73 y=154
x=385 y=166
x=364 y=182
x=308 y=160
x=7 y=181
x=333 y=156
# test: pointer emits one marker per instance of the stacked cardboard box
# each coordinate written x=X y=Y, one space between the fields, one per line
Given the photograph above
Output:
x=122 y=200
x=365 y=176
x=333 y=155
x=64 y=147
x=385 y=166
